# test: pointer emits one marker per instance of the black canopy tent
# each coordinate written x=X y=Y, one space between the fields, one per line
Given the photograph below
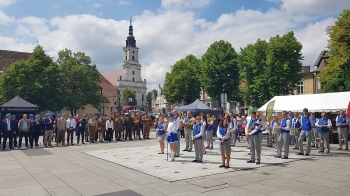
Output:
x=17 y=105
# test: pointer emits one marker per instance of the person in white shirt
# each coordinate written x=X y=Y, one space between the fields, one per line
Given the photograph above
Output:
x=70 y=125
x=198 y=132
x=224 y=133
x=255 y=137
x=172 y=138
x=324 y=125
x=109 y=128
x=283 y=139
x=204 y=125
x=342 y=123
x=177 y=144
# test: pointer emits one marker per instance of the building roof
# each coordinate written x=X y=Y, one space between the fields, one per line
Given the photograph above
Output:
x=108 y=89
x=113 y=76
x=319 y=64
x=8 y=57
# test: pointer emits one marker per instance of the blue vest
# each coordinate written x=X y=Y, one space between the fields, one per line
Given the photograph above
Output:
x=197 y=130
x=323 y=122
x=210 y=127
x=306 y=124
x=284 y=125
x=222 y=131
x=314 y=119
x=272 y=123
x=296 y=123
x=186 y=119
x=161 y=130
x=341 y=119
x=251 y=124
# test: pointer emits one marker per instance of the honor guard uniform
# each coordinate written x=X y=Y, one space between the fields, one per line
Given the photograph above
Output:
x=296 y=126
x=323 y=125
x=80 y=129
x=8 y=130
x=306 y=131
x=92 y=128
x=61 y=129
x=16 y=133
x=146 y=120
x=136 y=119
x=283 y=139
x=118 y=127
x=198 y=131
x=188 y=127
x=128 y=124
x=255 y=137
x=342 y=122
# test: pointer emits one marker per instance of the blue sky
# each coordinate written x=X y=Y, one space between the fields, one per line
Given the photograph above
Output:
x=165 y=30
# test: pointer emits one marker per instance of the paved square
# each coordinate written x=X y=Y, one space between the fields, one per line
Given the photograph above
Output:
x=146 y=160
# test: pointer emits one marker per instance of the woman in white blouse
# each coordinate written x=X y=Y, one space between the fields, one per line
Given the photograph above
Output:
x=224 y=134
x=109 y=128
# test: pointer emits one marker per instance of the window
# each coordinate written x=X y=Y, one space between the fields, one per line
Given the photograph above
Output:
x=133 y=79
x=133 y=52
x=133 y=58
x=133 y=72
x=300 y=88
x=126 y=57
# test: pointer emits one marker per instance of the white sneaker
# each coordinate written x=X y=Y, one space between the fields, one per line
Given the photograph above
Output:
x=276 y=150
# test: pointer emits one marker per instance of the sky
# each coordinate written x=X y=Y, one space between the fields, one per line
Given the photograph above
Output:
x=166 y=30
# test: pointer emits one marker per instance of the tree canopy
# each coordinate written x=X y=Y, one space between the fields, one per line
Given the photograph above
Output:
x=149 y=98
x=129 y=97
x=335 y=77
x=182 y=82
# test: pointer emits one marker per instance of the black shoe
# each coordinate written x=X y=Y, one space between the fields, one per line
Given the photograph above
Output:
x=277 y=156
x=184 y=150
x=299 y=153
x=295 y=148
x=177 y=155
x=250 y=161
x=83 y=143
x=258 y=162
x=211 y=148
x=189 y=150
x=130 y=139
x=207 y=147
x=267 y=145
x=221 y=166
x=321 y=151
x=199 y=161
x=284 y=157
x=3 y=149
x=72 y=144
x=11 y=148
x=307 y=154
x=195 y=160
x=226 y=167
x=148 y=138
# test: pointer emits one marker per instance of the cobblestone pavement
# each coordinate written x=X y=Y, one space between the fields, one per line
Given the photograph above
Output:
x=135 y=168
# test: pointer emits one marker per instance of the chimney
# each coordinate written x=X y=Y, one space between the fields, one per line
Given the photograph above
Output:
x=306 y=69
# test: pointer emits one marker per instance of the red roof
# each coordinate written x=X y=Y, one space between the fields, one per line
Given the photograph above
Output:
x=8 y=57
x=108 y=89
x=113 y=76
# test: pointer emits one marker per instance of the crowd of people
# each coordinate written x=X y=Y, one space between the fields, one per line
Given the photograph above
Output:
x=60 y=129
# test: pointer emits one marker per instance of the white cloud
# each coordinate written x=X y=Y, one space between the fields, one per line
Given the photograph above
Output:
x=4 y=19
x=124 y=3
x=4 y=3
x=97 y=5
x=163 y=37
x=315 y=6
x=171 y=4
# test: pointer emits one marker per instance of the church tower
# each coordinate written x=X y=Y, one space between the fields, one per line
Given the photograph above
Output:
x=131 y=77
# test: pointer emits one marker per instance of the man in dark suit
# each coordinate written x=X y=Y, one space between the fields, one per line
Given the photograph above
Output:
x=15 y=135
x=8 y=130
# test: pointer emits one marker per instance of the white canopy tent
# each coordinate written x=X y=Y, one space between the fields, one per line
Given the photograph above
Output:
x=325 y=102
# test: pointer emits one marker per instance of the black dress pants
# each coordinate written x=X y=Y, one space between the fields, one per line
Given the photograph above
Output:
x=80 y=132
x=21 y=135
x=128 y=133
x=70 y=135
x=34 y=138
x=109 y=134
x=7 y=135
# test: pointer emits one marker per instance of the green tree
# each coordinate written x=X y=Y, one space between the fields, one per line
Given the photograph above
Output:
x=78 y=81
x=149 y=98
x=270 y=68
x=335 y=77
x=129 y=97
x=35 y=80
x=182 y=83
x=219 y=66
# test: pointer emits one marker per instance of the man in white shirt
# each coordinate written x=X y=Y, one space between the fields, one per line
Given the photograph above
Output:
x=255 y=137
x=324 y=125
x=342 y=123
x=70 y=125
x=177 y=145
x=283 y=138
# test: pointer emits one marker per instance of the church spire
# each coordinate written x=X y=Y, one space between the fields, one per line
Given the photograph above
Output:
x=130 y=40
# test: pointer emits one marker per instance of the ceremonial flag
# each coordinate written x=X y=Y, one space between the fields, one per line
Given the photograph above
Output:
x=348 y=111
x=269 y=108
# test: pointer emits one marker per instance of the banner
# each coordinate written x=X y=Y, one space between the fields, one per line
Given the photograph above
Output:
x=348 y=111
x=269 y=108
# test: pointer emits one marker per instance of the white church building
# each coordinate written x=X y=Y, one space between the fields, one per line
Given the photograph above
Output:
x=130 y=76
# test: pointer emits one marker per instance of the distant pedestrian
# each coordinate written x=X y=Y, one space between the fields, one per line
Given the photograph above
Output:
x=23 y=126
x=70 y=125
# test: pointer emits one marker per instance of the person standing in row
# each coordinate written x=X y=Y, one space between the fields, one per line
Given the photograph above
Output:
x=172 y=138
x=323 y=125
x=342 y=122
x=118 y=126
x=70 y=125
x=48 y=129
x=223 y=133
x=296 y=127
x=306 y=131
x=269 y=132
x=109 y=128
x=177 y=144
x=146 y=120
x=136 y=130
x=80 y=129
x=160 y=134
x=209 y=132
x=61 y=130
x=101 y=128
x=36 y=129
x=15 y=135
x=283 y=139
x=23 y=126
x=198 y=131
x=188 y=127
x=86 y=132
x=128 y=124
x=8 y=130
x=92 y=126
x=255 y=138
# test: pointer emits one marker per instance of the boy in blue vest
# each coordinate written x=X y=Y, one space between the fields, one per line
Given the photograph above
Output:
x=198 y=131
x=342 y=123
x=283 y=138
x=323 y=125
x=296 y=127
x=306 y=131
x=255 y=137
